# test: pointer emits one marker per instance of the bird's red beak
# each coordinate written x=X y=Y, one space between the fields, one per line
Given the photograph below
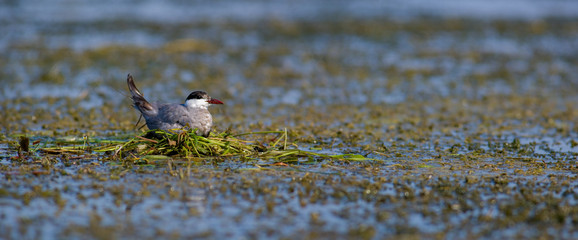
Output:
x=214 y=101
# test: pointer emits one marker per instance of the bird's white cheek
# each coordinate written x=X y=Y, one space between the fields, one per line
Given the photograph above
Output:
x=197 y=103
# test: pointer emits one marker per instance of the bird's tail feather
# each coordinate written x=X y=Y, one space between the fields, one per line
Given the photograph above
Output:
x=139 y=102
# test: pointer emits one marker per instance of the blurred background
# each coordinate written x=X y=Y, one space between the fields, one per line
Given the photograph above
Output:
x=63 y=61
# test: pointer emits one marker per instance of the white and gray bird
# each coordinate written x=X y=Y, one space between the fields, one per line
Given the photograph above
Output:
x=193 y=114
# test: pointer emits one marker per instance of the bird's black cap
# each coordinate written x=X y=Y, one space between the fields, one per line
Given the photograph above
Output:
x=198 y=95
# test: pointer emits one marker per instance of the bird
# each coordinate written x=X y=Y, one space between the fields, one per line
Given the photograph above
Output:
x=193 y=114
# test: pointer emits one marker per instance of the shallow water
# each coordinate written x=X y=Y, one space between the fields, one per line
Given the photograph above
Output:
x=467 y=111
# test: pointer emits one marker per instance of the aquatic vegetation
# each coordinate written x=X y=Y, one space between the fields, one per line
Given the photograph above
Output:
x=421 y=128
x=187 y=144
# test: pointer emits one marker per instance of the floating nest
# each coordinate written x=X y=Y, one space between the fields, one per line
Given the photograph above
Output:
x=187 y=144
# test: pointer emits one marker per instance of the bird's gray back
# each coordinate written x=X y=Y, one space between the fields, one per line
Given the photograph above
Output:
x=173 y=116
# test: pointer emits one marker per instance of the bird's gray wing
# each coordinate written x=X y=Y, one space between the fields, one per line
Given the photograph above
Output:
x=139 y=101
x=174 y=115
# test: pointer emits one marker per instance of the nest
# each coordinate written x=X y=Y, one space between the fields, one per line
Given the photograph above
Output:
x=187 y=144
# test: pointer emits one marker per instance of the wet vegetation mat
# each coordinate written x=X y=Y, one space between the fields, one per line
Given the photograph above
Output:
x=186 y=144
x=345 y=128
